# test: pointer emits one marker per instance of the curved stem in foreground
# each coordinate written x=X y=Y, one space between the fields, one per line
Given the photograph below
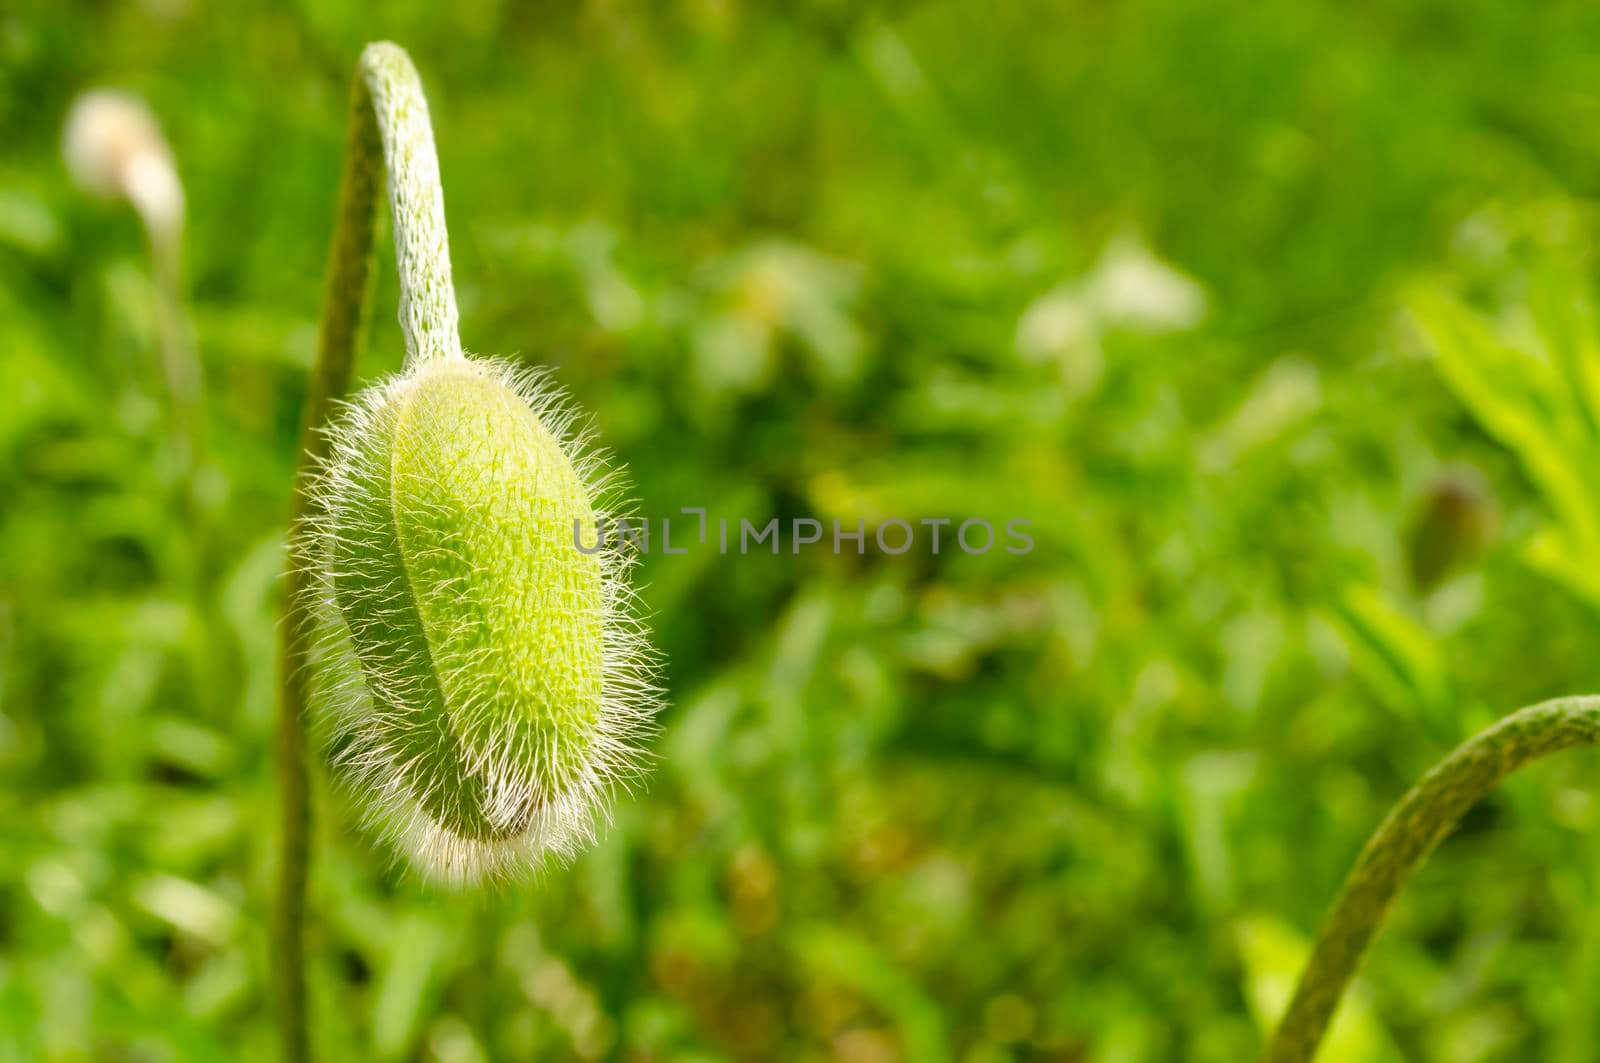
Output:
x=388 y=126
x=1412 y=829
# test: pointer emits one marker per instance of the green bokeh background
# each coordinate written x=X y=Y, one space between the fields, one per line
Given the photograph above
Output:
x=1137 y=272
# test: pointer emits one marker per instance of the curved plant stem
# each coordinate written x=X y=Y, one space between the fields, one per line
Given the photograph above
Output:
x=416 y=201
x=388 y=126
x=1412 y=829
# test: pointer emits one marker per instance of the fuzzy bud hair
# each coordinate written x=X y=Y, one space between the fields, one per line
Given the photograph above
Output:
x=483 y=683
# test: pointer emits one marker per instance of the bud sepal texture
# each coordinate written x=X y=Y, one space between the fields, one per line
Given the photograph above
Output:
x=482 y=683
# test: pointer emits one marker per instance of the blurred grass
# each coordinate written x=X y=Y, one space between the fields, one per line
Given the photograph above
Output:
x=1135 y=272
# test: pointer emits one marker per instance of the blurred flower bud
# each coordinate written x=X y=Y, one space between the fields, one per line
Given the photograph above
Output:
x=115 y=150
x=1455 y=520
x=487 y=681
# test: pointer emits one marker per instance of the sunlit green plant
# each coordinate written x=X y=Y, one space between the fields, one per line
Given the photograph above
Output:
x=481 y=680
x=1544 y=405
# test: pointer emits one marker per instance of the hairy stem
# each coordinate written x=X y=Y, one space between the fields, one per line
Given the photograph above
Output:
x=1412 y=829
x=416 y=201
x=388 y=127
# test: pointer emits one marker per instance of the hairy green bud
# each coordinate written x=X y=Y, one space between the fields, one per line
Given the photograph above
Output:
x=494 y=680
x=482 y=680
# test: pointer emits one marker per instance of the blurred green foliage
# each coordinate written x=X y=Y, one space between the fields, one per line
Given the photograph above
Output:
x=1146 y=273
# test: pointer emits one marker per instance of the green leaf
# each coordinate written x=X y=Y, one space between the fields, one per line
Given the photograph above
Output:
x=1564 y=315
x=1395 y=655
x=1571 y=564
x=1521 y=400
